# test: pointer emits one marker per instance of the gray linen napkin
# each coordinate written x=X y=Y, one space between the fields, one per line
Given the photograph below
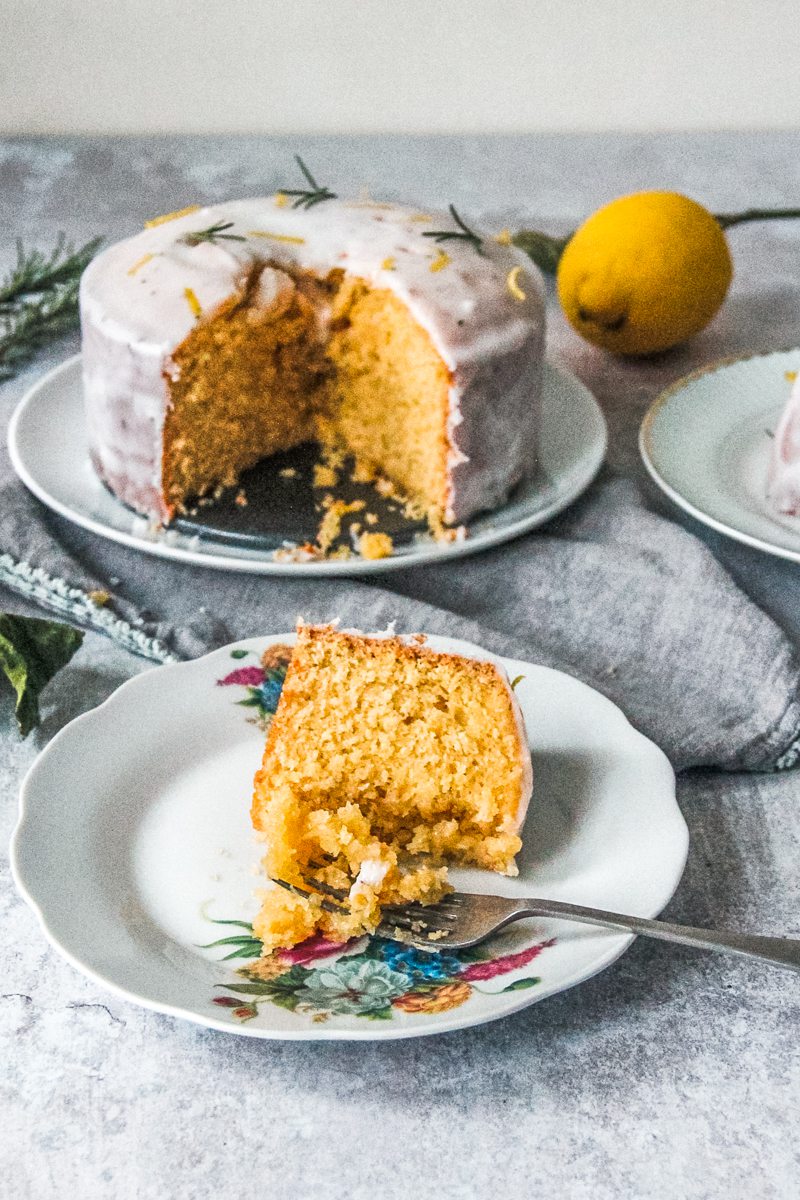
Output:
x=616 y=595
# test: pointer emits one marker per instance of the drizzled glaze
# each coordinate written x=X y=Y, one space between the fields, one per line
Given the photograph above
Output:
x=483 y=312
x=784 y=467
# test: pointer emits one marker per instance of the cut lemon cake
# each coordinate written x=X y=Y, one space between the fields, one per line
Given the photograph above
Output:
x=384 y=761
x=222 y=335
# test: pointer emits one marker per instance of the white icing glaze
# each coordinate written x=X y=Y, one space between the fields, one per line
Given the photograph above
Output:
x=783 y=488
x=371 y=874
x=135 y=312
x=526 y=787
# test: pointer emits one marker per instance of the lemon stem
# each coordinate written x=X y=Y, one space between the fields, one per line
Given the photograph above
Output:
x=756 y=214
x=546 y=250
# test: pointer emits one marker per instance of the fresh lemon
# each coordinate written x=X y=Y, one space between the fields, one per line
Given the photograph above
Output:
x=644 y=273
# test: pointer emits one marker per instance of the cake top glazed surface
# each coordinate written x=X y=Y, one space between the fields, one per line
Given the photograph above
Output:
x=473 y=300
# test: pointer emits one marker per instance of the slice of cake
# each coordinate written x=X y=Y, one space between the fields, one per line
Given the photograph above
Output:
x=783 y=488
x=384 y=761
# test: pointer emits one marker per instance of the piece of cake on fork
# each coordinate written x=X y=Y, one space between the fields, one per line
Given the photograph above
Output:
x=385 y=760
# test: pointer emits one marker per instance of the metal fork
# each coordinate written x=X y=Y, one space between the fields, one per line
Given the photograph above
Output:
x=462 y=919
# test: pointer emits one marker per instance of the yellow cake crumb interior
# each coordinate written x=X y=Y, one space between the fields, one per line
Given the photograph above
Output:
x=383 y=762
x=331 y=360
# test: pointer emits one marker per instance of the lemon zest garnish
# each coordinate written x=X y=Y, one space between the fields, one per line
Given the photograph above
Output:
x=173 y=216
x=790 y=376
x=276 y=237
x=281 y=200
x=421 y=217
x=503 y=238
x=512 y=281
x=192 y=301
x=388 y=264
x=140 y=263
x=441 y=261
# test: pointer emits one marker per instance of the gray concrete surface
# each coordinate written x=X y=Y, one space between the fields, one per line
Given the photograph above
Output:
x=674 y=1075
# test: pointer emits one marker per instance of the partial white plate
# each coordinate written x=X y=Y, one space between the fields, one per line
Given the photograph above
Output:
x=134 y=834
x=706 y=443
x=48 y=447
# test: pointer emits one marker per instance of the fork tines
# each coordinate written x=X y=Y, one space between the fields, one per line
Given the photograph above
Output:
x=414 y=918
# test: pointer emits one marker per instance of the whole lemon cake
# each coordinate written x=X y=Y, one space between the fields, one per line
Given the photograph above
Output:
x=385 y=760
x=219 y=336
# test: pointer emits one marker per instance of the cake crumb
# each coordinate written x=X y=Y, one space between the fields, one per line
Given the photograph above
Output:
x=371 y=518
x=324 y=476
x=241 y=498
x=362 y=472
x=375 y=545
x=287 y=473
x=291 y=552
x=331 y=524
x=99 y=596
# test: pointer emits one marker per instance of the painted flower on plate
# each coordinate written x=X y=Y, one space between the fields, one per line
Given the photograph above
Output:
x=353 y=986
x=434 y=1000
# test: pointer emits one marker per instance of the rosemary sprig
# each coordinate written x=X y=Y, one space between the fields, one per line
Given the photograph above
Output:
x=39 y=299
x=36 y=272
x=313 y=194
x=29 y=325
x=214 y=233
x=463 y=233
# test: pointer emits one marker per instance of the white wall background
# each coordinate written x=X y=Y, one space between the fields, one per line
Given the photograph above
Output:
x=280 y=66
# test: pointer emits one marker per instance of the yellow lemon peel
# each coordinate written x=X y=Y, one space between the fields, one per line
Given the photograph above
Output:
x=192 y=301
x=512 y=283
x=388 y=264
x=441 y=261
x=277 y=237
x=172 y=216
x=141 y=262
x=503 y=238
x=281 y=200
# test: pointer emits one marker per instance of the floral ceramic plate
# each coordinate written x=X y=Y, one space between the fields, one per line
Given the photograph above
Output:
x=706 y=442
x=47 y=443
x=134 y=847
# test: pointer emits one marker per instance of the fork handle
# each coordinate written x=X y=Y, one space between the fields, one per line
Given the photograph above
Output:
x=783 y=952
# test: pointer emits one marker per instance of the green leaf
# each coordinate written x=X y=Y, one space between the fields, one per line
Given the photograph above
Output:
x=380 y=1014
x=288 y=1000
x=237 y=939
x=250 y=951
x=542 y=248
x=32 y=651
x=241 y=924
x=517 y=679
x=519 y=985
x=250 y=702
x=239 y=653
x=248 y=989
x=292 y=979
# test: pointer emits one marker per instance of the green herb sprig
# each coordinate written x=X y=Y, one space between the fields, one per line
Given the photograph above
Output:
x=313 y=194
x=39 y=300
x=463 y=233
x=214 y=233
